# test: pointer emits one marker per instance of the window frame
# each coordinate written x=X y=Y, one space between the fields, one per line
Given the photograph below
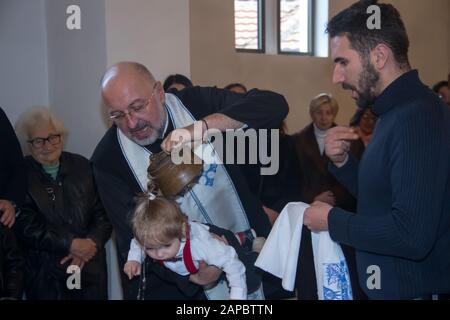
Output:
x=261 y=29
x=311 y=24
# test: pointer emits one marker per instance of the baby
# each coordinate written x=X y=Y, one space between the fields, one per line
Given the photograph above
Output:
x=166 y=235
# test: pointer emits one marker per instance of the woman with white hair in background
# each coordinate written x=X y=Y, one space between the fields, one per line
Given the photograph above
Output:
x=63 y=222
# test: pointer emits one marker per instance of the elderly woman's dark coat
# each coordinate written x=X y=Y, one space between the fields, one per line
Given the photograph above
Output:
x=56 y=212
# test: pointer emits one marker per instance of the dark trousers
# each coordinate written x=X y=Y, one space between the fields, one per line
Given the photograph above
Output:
x=247 y=257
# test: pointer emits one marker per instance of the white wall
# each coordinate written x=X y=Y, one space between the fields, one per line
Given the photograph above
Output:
x=77 y=60
x=43 y=63
x=23 y=56
x=153 y=32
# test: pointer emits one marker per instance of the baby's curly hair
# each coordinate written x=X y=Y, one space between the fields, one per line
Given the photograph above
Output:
x=158 y=220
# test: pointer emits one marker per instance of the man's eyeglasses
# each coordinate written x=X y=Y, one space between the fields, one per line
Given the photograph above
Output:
x=133 y=109
x=120 y=115
x=53 y=139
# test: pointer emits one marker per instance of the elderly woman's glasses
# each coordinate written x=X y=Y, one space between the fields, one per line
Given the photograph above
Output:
x=53 y=139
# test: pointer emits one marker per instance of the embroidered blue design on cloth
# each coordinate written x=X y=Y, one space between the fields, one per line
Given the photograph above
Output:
x=337 y=281
x=207 y=178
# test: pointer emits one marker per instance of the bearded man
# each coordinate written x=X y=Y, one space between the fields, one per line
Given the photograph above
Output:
x=401 y=231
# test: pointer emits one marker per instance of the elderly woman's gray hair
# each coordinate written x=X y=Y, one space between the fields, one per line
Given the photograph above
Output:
x=37 y=117
x=321 y=99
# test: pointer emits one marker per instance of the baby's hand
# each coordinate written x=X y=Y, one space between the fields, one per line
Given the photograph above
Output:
x=132 y=268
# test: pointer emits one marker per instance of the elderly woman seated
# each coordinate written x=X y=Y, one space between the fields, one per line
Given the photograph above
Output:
x=63 y=226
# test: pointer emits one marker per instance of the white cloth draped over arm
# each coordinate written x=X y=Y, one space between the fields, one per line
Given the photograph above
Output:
x=279 y=255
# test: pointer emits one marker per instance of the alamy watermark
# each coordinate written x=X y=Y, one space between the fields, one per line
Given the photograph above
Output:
x=73 y=21
x=249 y=146
x=374 y=21
x=374 y=280
x=74 y=280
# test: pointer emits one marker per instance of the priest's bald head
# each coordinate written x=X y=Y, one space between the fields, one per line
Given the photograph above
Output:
x=135 y=101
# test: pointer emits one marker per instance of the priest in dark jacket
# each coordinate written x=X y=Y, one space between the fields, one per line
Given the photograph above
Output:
x=145 y=120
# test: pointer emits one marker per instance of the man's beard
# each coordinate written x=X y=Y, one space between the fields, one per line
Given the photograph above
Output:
x=146 y=141
x=156 y=134
x=367 y=83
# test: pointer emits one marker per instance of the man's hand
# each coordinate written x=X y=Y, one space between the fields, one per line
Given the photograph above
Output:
x=271 y=214
x=7 y=213
x=179 y=137
x=327 y=197
x=83 y=248
x=206 y=274
x=337 y=144
x=316 y=216
x=132 y=269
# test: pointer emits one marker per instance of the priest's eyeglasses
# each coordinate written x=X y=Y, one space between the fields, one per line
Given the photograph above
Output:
x=136 y=108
